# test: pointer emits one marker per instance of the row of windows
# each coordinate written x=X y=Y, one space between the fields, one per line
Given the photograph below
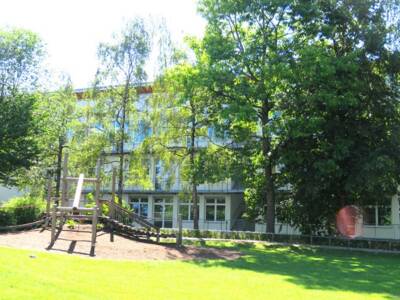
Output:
x=377 y=215
x=215 y=211
x=163 y=208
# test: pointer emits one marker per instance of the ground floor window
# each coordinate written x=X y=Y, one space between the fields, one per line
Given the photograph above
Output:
x=185 y=209
x=377 y=215
x=215 y=209
x=140 y=206
x=163 y=211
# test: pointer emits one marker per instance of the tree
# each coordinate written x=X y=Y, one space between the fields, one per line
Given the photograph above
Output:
x=57 y=112
x=342 y=121
x=181 y=118
x=122 y=71
x=246 y=42
x=21 y=52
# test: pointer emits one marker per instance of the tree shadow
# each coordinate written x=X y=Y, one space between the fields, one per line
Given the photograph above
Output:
x=321 y=269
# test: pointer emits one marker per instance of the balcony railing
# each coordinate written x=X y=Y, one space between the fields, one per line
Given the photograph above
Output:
x=166 y=186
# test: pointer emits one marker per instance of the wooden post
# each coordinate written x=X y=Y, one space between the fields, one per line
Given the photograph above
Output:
x=48 y=199
x=97 y=193
x=64 y=194
x=112 y=202
x=179 y=237
x=113 y=181
x=53 y=224
x=158 y=235
x=94 y=230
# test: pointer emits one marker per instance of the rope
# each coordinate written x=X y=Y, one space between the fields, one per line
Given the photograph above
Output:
x=22 y=226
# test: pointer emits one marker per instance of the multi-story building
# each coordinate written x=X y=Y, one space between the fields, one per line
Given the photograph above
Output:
x=221 y=204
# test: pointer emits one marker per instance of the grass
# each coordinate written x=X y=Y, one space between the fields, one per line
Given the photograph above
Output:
x=264 y=272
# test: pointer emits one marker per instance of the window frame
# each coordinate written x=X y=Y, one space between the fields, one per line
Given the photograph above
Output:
x=377 y=217
x=216 y=203
x=141 y=201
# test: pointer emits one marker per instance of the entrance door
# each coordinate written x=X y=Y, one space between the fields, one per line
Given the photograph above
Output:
x=163 y=211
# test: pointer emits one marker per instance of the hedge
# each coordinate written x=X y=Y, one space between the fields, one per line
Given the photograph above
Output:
x=21 y=210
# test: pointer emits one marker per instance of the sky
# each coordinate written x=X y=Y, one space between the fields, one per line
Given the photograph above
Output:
x=72 y=29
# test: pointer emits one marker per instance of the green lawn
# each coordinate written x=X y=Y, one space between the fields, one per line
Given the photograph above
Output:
x=264 y=272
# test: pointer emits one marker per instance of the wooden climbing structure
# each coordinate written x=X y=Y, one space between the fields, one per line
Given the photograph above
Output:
x=118 y=220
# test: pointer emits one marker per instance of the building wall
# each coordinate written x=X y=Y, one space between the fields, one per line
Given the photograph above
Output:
x=391 y=231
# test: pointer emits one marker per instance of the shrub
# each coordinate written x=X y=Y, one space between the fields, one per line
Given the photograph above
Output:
x=21 y=210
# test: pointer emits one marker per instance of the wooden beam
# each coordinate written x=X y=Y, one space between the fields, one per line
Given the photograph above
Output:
x=78 y=192
x=64 y=194
x=94 y=231
x=97 y=192
x=49 y=198
x=85 y=179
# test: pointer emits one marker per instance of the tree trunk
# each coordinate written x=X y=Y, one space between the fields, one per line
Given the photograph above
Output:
x=268 y=166
x=194 y=179
x=121 y=143
x=195 y=210
x=59 y=165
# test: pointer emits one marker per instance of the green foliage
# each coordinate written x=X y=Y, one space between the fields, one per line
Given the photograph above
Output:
x=21 y=52
x=341 y=112
x=55 y=114
x=18 y=147
x=71 y=224
x=246 y=45
x=116 y=109
x=21 y=210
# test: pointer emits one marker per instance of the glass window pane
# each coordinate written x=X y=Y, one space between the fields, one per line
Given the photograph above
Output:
x=369 y=216
x=384 y=215
x=144 y=200
x=210 y=213
x=168 y=200
x=158 y=200
x=168 y=212
x=167 y=224
x=135 y=208
x=144 y=210
x=184 y=211
x=221 y=201
x=220 y=213
x=158 y=210
x=210 y=201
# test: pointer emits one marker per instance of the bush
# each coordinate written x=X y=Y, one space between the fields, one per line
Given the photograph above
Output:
x=21 y=210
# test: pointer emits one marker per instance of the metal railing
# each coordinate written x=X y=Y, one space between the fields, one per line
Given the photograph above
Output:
x=166 y=186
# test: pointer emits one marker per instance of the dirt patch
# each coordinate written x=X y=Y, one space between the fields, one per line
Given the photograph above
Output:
x=78 y=243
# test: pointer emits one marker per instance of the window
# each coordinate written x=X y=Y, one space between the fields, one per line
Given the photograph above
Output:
x=215 y=209
x=185 y=209
x=163 y=211
x=377 y=215
x=384 y=215
x=140 y=206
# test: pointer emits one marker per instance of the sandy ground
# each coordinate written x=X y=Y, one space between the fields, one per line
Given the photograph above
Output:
x=78 y=243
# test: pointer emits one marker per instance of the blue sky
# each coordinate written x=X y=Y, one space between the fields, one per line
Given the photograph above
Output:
x=72 y=29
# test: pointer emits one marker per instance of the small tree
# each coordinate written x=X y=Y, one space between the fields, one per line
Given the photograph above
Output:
x=181 y=117
x=122 y=70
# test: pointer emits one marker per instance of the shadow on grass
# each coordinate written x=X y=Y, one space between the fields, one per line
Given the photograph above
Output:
x=320 y=268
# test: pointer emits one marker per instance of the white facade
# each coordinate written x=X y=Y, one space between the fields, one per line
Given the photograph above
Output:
x=391 y=230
